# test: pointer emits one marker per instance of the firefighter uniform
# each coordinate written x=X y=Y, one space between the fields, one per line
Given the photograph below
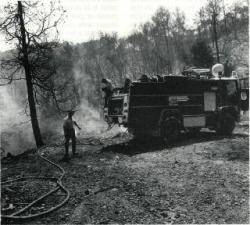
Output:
x=107 y=88
x=69 y=134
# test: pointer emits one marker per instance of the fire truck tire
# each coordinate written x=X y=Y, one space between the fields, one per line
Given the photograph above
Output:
x=194 y=131
x=226 y=124
x=170 y=130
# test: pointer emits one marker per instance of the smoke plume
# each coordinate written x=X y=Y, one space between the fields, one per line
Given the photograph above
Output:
x=15 y=127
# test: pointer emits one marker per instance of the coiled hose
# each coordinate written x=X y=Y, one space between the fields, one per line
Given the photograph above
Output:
x=58 y=181
x=16 y=215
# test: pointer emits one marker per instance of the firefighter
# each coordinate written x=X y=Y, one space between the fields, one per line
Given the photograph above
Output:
x=127 y=85
x=107 y=89
x=69 y=133
x=227 y=69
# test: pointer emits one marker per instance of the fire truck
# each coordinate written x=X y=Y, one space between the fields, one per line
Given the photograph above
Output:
x=174 y=104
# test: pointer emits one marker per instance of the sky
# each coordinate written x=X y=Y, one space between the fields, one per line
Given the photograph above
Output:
x=85 y=19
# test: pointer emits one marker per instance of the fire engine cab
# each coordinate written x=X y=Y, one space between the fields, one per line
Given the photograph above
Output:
x=179 y=103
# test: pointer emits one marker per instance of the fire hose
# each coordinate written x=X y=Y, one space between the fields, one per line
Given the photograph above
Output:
x=58 y=181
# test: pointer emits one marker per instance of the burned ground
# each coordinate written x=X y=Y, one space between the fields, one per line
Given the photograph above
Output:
x=201 y=179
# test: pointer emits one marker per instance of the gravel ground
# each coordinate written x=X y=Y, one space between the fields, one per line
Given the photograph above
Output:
x=201 y=179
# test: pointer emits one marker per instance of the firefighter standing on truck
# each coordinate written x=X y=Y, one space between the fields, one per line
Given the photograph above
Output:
x=107 y=89
x=69 y=133
x=227 y=69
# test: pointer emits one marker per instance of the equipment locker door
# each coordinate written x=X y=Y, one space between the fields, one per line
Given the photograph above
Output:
x=209 y=101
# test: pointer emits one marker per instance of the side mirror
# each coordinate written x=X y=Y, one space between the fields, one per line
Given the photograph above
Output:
x=243 y=96
x=244 y=99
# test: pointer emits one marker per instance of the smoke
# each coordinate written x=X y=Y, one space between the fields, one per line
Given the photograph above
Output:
x=90 y=118
x=15 y=127
x=87 y=117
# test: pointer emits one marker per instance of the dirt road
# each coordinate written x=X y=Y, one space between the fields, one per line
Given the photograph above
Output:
x=201 y=179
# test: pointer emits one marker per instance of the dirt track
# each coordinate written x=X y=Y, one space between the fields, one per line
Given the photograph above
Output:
x=201 y=179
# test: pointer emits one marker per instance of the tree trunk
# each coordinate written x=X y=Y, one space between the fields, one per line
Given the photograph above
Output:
x=216 y=38
x=31 y=100
x=225 y=21
x=235 y=22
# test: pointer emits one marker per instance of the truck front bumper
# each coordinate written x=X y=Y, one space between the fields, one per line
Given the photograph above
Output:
x=117 y=119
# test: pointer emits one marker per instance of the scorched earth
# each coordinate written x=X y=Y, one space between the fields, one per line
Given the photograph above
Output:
x=202 y=179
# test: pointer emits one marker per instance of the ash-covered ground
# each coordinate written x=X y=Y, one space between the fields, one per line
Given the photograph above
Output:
x=202 y=179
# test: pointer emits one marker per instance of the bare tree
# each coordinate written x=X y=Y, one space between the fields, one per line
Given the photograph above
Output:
x=28 y=26
x=162 y=21
x=214 y=10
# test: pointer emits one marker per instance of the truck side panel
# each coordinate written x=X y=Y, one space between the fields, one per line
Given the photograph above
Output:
x=195 y=100
x=148 y=100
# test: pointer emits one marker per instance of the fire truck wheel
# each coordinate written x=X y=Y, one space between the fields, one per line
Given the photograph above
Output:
x=226 y=124
x=194 y=131
x=171 y=130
